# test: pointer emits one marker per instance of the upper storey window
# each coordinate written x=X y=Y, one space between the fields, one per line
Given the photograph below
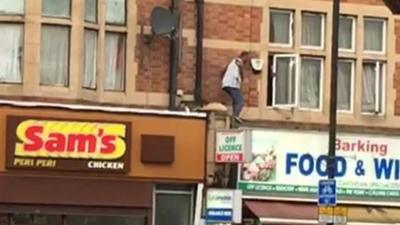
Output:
x=115 y=12
x=56 y=8
x=12 y=7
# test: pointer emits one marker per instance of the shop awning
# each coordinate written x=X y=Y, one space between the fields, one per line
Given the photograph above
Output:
x=282 y=213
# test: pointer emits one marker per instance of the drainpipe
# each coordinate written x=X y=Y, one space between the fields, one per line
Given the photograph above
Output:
x=199 y=51
x=174 y=58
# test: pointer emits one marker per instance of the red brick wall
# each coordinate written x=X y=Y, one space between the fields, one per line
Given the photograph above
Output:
x=226 y=22
x=230 y=22
x=370 y=2
x=153 y=59
x=215 y=60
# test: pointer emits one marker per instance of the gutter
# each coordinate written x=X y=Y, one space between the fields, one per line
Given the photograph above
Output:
x=174 y=58
x=199 y=51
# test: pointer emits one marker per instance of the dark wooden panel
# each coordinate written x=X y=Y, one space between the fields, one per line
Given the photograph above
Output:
x=157 y=149
x=75 y=191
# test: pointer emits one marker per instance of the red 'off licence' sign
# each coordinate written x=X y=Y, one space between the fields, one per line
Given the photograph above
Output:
x=229 y=146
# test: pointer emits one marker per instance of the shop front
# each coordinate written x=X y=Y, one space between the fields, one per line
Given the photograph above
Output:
x=280 y=178
x=74 y=165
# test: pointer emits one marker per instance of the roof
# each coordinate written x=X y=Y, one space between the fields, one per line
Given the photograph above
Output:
x=109 y=109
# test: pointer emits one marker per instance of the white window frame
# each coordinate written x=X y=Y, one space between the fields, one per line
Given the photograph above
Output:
x=379 y=67
x=190 y=192
x=353 y=34
x=351 y=110
x=297 y=70
x=291 y=28
x=322 y=31
x=384 y=35
x=321 y=85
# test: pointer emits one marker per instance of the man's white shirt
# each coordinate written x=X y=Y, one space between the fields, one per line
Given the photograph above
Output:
x=232 y=75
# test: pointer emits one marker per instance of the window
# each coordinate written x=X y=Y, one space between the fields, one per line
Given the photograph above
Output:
x=345 y=85
x=374 y=35
x=180 y=214
x=281 y=27
x=11 y=7
x=35 y=219
x=56 y=8
x=104 y=220
x=90 y=59
x=347 y=33
x=115 y=11
x=91 y=10
x=311 y=83
x=312 y=32
x=284 y=81
x=11 y=53
x=373 y=87
x=114 y=62
x=54 y=55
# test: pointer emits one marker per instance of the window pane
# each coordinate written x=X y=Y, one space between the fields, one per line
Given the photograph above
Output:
x=179 y=214
x=56 y=8
x=115 y=11
x=373 y=35
x=310 y=78
x=346 y=33
x=11 y=53
x=311 y=34
x=54 y=55
x=90 y=59
x=36 y=219
x=280 y=26
x=104 y=220
x=114 y=62
x=344 y=85
x=372 y=89
x=285 y=81
x=91 y=10
x=12 y=7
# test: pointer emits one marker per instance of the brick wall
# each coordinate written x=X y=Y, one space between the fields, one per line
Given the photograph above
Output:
x=153 y=59
x=370 y=2
x=215 y=60
x=222 y=22
x=230 y=22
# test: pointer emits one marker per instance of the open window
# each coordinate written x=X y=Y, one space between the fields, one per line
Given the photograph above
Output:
x=285 y=70
x=373 y=87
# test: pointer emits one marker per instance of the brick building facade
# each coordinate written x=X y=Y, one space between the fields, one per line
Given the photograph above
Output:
x=229 y=28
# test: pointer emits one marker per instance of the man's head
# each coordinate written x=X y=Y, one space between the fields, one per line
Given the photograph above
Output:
x=244 y=56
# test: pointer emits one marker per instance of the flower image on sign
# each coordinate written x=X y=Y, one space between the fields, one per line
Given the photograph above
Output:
x=292 y=162
x=229 y=146
x=66 y=145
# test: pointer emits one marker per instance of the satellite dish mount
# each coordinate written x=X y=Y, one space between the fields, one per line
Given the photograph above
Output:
x=163 y=23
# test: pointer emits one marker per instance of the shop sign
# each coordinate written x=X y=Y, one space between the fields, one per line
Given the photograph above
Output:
x=224 y=206
x=67 y=145
x=290 y=163
x=329 y=214
x=230 y=146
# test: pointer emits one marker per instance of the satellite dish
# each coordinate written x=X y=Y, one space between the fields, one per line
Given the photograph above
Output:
x=162 y=21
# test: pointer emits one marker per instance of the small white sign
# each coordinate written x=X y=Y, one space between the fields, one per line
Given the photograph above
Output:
x=224 y=205
x=230 y=146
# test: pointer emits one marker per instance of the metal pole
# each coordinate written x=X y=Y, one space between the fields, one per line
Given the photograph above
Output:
x=333 y=94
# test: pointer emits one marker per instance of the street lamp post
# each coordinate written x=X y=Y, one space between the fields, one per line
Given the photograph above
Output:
x=333 y=93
